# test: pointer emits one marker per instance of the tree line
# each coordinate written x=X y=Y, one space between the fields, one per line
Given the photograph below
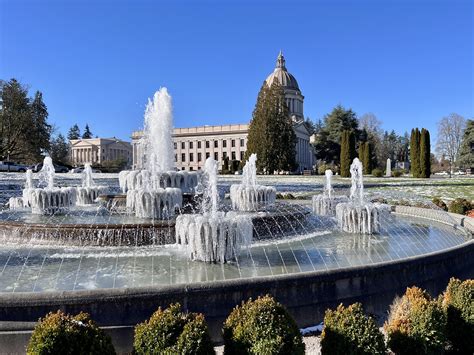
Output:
x=25 y=133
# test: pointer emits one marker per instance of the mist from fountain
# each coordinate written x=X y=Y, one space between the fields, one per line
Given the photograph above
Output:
x=357 y=215
x=212 y=235
x=325 y=203
x=249 y=196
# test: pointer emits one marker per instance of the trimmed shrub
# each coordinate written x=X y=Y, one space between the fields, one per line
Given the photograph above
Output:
x=60 y=333
x=440 y=203
x=458 y=303
x=171 y=331
x=416 y=324
x=377 y=172
x=459 y=205
x=397 y=172
x=348 y=331
x=259 y=327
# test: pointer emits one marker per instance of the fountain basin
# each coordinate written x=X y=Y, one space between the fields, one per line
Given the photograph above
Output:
x=326 y=205
x=154 y=204
x=49 y=200
x=251 y=198
x=89 y=195
x=144 y=179
x=361 y=218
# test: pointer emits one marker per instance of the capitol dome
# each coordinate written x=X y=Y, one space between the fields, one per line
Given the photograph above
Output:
x=286 y=80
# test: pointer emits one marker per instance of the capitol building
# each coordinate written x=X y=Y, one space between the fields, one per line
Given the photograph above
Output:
x=192 y=146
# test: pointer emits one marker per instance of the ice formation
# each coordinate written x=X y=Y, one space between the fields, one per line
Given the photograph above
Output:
x=249 y=196
x=156 y=204
x=325 y=204
x=89 y=191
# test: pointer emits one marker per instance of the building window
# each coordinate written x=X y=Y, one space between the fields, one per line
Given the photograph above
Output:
x=191 y=157
x=224 y=155
x=191 y=168
x=175 y=145
x=242 y=156
x=199 y=156
x=182 y=145
x=216 y=157
x=232 y=143
x=207 y=144
x=216 y=144
x=224 y=143
x=208 y=155
x=183 y=157
x=242 y=142
x=199 y=144
x=190 y=145
x=176 y=157
x=233 y=155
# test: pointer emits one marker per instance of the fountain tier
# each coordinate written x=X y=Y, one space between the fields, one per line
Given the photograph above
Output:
x=325 y=204
x=155 y=204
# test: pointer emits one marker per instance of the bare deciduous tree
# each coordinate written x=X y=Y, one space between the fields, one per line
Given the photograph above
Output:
x=450 y=132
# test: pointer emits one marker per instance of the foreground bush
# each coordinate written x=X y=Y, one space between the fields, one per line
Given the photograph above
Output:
x=458 y=303
x=440 y=203
x=416 y=324
x=348 y=331
x=60 y=333
x=377 y=172
x=171 y=331
x=261 y=327
x=459 y=205
x=397 y=172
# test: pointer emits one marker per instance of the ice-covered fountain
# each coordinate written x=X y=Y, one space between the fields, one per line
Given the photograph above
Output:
x=249 y=196
x=357 y=215
x=88 y=193
x=213 y=235
x=325 y=203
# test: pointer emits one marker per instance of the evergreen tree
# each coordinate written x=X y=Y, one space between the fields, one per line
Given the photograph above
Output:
x=466 y=153
x=225 y=165
x=415 y=152
x=41 y=131
x=87 y=133
x=425 y=154
x=59 y=149
x=271 y=134
x=362 y=152
x=347 y=152
x=74 y=132
x=367 y=158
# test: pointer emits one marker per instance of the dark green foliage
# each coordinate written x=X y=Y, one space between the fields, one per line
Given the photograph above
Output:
x=416 y=324
x=171 y=331
x=460 y=205
x=24 y=130
x=225 y=164
x=425 y=154
x=466 y=154
x=271 y=133
x=327 y=145
x=60 y=333
x=87 y=132
x=440 y=203
x=415 y=152
x=347 y=152
x=259 y=327
x=59 y=149
x=74 y=132
x=458 y=303
x=348 y=331
x=234 y=166
x=377 y=172
x=397 y=172
x=365 y=156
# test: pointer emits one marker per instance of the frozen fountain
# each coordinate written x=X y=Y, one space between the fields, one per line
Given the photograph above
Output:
x=357 y=215
x=212 y=235
x=89 y=191
x=325 y=204
x=248 y=196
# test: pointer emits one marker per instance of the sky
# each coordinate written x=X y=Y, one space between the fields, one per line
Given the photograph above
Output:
x=97 y=62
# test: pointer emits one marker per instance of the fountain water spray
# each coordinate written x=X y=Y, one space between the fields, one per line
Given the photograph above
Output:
x=325 y=204
x=359 y=216
x=248 y=196
x=213 y=236
x=89 y=191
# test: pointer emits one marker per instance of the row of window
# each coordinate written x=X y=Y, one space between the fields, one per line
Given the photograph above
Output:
x=208 y=144
x=233 y=156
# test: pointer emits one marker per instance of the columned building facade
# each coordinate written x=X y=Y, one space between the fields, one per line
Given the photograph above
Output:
x=99 y=150
x=192 y=146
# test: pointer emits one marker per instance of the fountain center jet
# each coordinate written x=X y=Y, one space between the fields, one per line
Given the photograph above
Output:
x=89 y=191
x=325 y=203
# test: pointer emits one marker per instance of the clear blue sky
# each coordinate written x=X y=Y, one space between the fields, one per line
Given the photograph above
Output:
x=97 y=62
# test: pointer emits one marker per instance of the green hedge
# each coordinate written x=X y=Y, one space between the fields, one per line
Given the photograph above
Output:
x=440 y=203
x=171 y=331
x=377 y=172
x=460 y=205
x=348 y=331
x=416 y=324
x=458 y=303
x=60 y=333
x=261 y=327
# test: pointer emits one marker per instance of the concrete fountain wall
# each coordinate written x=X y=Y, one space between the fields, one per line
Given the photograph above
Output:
x=306 y=295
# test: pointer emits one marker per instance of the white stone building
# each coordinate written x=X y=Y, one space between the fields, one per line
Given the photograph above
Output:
x=99 y=150
x=194 y=145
